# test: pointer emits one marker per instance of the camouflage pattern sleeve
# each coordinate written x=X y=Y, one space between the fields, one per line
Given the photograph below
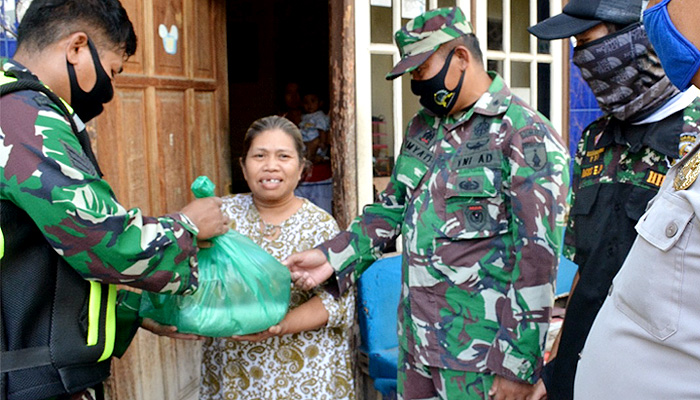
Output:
x=570 y=237
x=341 y=309
x=44 y=171
x=538 y=187
x=355 y=249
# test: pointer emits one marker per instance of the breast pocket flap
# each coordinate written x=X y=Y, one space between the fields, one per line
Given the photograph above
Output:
x=663 y=224
x=584 y=200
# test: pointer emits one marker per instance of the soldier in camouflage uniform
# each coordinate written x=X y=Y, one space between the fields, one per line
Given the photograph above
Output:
x=621 y=159
x=479 y=195
x=68 y=241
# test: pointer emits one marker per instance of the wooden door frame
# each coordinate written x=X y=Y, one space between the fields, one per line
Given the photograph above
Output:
x=342 y=111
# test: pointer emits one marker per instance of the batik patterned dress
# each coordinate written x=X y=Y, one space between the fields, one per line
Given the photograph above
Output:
x=313 y=365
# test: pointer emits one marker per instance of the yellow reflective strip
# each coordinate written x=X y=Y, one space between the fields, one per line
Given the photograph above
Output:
x=94 y=313
x=6 y=79
x=111 y=325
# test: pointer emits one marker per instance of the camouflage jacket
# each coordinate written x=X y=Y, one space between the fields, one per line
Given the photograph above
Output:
x=480 y=199
x=44 y=171
x=617 y=169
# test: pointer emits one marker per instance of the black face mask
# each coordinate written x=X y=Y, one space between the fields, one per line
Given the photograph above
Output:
x=434 y=95
x=88 y=105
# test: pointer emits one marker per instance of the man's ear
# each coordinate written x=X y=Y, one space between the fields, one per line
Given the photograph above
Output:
x=464 y=56
x=74 y=43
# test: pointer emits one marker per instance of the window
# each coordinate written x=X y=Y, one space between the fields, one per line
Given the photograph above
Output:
x=528 y=65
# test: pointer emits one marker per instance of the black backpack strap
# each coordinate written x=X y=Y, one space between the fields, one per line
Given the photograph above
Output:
x=27 y=81
x=25 y=358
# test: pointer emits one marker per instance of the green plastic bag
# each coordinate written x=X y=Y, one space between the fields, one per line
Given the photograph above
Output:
x=242 y=288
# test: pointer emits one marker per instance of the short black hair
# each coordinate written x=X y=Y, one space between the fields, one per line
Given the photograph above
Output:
x=470 y=42
x=47 y=21
x=313 y=89
x=613 y=27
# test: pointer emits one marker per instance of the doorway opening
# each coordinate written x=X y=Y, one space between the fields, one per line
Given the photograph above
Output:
x=272 y=43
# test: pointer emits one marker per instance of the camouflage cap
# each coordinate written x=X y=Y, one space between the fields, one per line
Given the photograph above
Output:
x=423 y=35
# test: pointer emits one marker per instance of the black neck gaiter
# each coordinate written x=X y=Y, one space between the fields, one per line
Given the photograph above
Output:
x=625 y=73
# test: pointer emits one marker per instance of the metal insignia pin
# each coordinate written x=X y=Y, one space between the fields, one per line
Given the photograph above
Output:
x=688 y=174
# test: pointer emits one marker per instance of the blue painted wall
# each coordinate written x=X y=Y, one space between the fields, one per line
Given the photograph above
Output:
x=583 y=107
x=8 y=44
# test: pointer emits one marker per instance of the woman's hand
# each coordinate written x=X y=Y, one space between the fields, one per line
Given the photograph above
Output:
x=168 y=330
x=308 y=316
x=275 y=330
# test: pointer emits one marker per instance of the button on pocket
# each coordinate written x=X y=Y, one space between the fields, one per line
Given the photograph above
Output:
x=660 y=227
x=671 y=230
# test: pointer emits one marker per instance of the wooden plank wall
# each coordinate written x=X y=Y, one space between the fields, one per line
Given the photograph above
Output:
x=167 y=124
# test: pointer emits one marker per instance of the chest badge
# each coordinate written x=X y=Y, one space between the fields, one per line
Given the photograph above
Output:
x=688 y=173
x=476 y=218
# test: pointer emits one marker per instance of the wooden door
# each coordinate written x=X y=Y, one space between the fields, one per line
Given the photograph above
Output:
x=167 y=124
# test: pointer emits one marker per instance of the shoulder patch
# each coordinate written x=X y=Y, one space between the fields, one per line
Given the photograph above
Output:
x=687 y=141
x=80 y=161
x=533 y=132
x=535 y=155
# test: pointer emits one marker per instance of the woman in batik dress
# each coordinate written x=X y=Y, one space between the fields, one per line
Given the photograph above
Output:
x=308 y=355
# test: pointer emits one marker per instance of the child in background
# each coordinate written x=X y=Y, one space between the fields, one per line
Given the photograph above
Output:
x=314 y=128
x=317 y=182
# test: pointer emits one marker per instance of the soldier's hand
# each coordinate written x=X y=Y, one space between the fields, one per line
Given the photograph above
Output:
x=167 y=330
x=309 y=268
x=505 y=389
x=206 y=214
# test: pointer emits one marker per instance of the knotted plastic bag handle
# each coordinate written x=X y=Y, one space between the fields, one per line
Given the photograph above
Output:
x=203 y=187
